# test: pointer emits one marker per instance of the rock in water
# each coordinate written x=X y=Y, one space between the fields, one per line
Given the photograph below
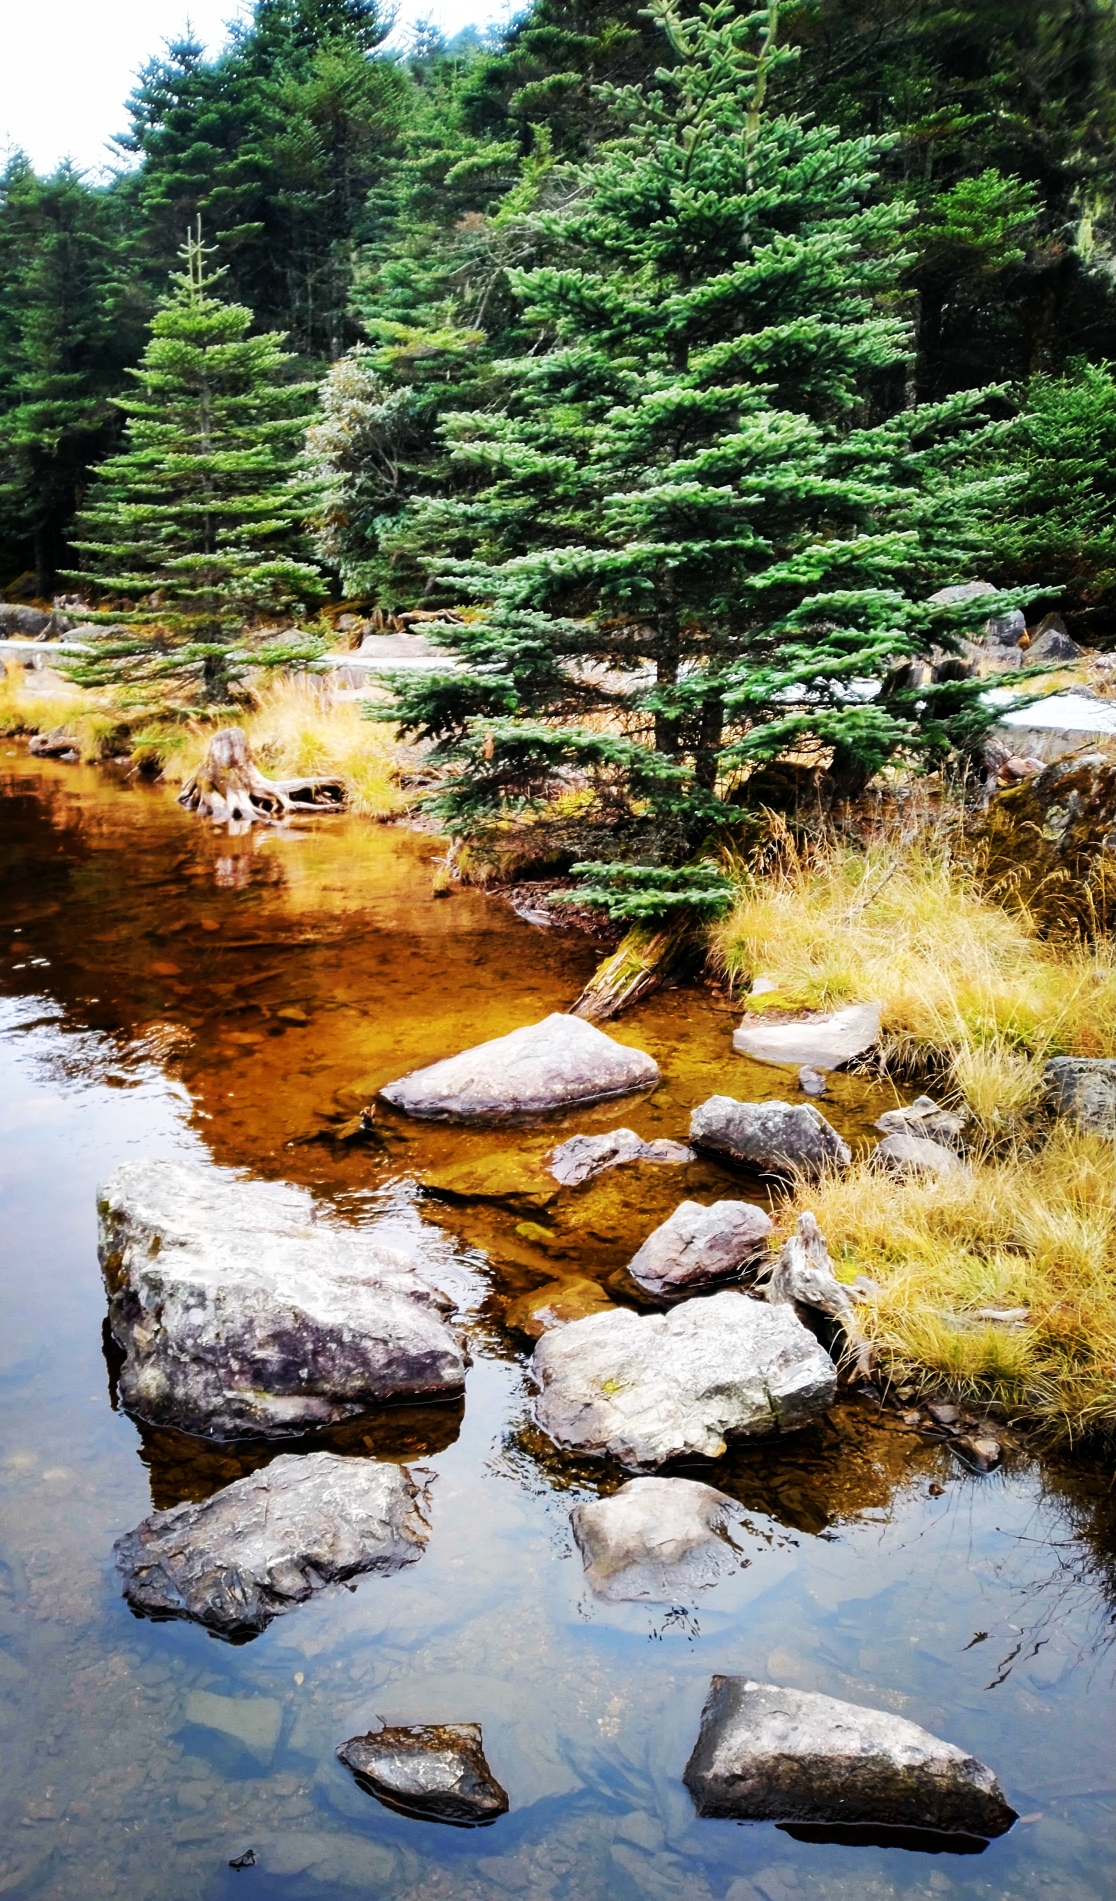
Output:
x=823 y=1040
x=434 y=1770
x=774 y=1138
x=772 y=1755
x=559 y=1063
x=643 y=1389
x=1083 y=1090
x=240 y=1311
x=697 y=1246
x=655 y=1540
x=269 y=1541
x=556 y=1304
x=583 y=1156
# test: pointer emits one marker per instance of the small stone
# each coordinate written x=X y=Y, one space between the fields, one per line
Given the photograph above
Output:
x=556 y=1305
x=655 y=1540
x=936 y=1490
x=583 y=1156
x=912 y=1155
x=698 y=1246
x=985 y=1454
x=292 y=1013
x=811 y=1081
x=433 y=1770
x=773 y=1138
x=923 y=1117
x=943 y=1414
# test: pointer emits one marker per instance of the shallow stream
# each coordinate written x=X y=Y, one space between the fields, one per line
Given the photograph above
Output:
x=168 y=989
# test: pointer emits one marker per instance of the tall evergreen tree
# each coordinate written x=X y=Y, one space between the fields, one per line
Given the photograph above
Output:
x=693 y=552
x=194 y=530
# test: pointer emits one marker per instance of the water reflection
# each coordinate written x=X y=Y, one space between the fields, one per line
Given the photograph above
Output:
x=225 y=998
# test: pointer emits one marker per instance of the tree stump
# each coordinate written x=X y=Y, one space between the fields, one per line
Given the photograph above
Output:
x=228 y=785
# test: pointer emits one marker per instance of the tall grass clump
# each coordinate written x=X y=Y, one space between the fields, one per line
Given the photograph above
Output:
x=1031 y=1237
x=970 y=993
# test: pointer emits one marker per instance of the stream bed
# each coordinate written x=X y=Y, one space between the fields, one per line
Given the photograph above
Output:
x=166 y=989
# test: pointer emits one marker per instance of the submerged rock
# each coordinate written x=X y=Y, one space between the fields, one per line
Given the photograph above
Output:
x=519 y=1181
x=823 y=1040
x=583 y=1156
x=655 y=1540
x=240 y=1311
x=643 y=1389
x=559 y=1063
x=556 y=1304
x=698 y=1246
x=271 y=1540
x=1082 y=1089
x=433 y=1770
x=774 y=1138
x=770 y=1754
x=910 y=1154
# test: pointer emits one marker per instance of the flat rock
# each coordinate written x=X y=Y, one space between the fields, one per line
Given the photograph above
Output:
x=556 y=1304
x=698 y=1246
x=520 y=1181
x=643 y=1389
x=773 y=1138
x=823 y=1040
x=1083 y=1090
x=923 y=1117
x=908 y=1155
x=655 y=1540
x=271 y=1540
x=559 y=1063
x=771 y=1754
x=583 y=1156
x=241 y=1311
x=434 y=1770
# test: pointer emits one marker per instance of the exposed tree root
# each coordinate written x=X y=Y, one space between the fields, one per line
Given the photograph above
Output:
x=804 y=1275
x=228 y=785
x=643 y=960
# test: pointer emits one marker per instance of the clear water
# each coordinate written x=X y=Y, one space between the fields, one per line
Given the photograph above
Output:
x=145 y=959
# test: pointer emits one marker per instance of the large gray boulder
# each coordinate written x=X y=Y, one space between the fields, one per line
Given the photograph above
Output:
x=698 y=1246
x=1082 y=1089
x=434 y=1770
x=643 y=1389
x=269 y=1541
x=656 y=1540
x=767 y=1754
x=824 y=1040
x=559 y=1063
x=241 y=1311
x=773 y=1138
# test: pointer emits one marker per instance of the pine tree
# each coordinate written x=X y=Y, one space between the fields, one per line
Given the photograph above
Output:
x=694 y=549
x=193 y=530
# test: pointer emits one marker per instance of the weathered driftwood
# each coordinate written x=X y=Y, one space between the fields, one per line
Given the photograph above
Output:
x=229 y=785
x=805 y=1276
x=645 y=958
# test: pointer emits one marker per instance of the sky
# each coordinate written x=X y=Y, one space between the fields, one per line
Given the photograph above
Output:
x=67 y=66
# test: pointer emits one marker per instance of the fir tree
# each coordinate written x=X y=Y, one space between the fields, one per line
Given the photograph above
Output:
x=694 y=549
x=194 y=529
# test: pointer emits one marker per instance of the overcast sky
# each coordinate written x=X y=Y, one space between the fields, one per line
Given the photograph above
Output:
x=67 y=66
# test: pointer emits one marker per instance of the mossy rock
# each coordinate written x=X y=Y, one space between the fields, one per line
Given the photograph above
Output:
x=1050 y=845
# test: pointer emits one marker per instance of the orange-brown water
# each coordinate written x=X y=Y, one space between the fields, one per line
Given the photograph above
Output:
x=167 y=988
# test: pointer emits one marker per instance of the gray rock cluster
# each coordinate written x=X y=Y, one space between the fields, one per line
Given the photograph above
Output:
x=240 y=1311
x=584 y=1156
x=272 y=1540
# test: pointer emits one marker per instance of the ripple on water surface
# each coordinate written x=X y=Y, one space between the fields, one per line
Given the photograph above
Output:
x=168 y=989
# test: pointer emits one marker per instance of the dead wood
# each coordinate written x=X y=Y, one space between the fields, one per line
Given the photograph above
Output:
x=645 y=957
x=228 y=785
x=805 y=1276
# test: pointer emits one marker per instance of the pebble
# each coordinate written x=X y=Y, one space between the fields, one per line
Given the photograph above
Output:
x=811 y=1080
x=984 y=1453
x=944 y=1415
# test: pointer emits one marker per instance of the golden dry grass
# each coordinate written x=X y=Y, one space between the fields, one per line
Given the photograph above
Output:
x=1029 y=1231
x=965 y=987
x=33 y=701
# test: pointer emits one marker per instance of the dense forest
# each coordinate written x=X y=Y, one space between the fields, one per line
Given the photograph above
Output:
x=688 y=355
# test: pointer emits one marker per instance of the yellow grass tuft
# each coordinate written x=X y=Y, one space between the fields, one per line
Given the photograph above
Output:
x=964 y=985
x=1031 y=1232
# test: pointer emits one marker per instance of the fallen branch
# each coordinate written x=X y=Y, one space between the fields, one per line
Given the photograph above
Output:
x=644 y=959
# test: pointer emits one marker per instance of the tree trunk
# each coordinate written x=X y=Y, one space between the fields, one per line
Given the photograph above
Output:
x=228 y=785
x=644 y=959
